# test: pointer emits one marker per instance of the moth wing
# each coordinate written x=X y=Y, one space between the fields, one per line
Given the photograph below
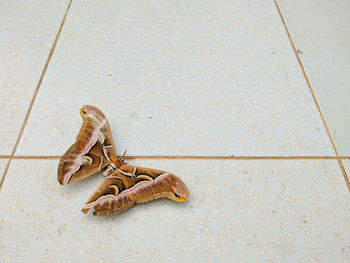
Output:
x=73 y=167
x=118 y=192
x=146 y=184
x=92 y=151
x=110 y=197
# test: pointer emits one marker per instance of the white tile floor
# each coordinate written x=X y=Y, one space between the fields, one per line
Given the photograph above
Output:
x=321 y=30
x=274 y=211
x=205 y=79
x=185 y=84
x=22 y=58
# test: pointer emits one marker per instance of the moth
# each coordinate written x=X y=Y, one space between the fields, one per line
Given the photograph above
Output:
x=123 y=185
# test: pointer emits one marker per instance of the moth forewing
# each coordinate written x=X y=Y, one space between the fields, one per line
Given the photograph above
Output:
x=164 y=185
x=145 y=184
x=90 y=153
x=74 y=165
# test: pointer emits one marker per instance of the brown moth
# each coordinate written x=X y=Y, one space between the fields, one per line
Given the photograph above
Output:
x=124 y=185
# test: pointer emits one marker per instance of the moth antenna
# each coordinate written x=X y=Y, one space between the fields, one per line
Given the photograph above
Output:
x=124 y=155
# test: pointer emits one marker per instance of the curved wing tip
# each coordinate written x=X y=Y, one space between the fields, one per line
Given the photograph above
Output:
x=85 y=210
x=183 y=198
x=60 y=179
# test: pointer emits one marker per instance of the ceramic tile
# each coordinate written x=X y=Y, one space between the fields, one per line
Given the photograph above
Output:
x=178 y=79
x=322 y=33
x=250 y=211
x=24 y=47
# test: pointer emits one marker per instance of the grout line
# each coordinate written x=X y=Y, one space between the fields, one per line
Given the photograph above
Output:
x=342 y=168
x=5 y=172
x=193 y=157
x=233 y=157
x=36 y=91
x=314 y=98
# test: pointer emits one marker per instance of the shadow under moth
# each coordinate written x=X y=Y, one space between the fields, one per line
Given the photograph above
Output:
x=124 y=185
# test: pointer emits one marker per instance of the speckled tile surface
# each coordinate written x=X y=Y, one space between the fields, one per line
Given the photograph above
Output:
x=239 y=211
x=322 y=32
x=24 y=47
x=178 y=78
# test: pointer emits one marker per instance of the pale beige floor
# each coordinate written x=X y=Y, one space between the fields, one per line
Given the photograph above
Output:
x=218 y=86
x=321 y=32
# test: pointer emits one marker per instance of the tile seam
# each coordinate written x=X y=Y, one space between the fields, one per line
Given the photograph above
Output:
x=346 y=178
x=5 y=172
x=53 y=47
x=193 y=157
